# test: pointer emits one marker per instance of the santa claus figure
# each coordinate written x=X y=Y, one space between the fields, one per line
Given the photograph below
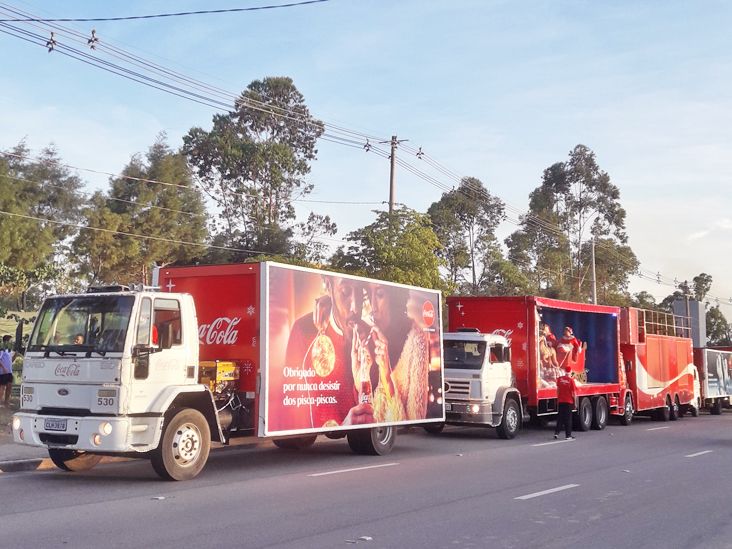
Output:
x=569 y=348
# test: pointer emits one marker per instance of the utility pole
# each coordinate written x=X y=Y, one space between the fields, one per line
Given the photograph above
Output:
x=594 y=275
x=392 y=182
x=394 y=142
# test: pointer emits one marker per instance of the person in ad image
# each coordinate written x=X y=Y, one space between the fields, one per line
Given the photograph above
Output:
x=401 y=353
x=322 y=342
x=569 y=348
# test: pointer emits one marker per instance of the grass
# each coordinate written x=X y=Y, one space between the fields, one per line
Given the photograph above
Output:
x=8 y=325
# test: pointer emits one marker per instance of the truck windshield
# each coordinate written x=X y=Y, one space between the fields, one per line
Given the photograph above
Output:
x=465 y=355
x=84 y=323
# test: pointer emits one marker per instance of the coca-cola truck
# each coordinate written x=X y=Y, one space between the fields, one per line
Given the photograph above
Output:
x=258 y=349
x=657 y=351
x=715 y=383
x=538 y=337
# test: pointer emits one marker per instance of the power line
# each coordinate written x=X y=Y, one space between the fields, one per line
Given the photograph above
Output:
x=177 y=14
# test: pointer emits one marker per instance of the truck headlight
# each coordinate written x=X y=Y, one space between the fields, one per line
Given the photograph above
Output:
x=475 y=408
x=105 y=428
x=16 y=423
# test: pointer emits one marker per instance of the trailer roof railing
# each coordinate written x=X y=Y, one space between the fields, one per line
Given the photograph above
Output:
x=662 y=323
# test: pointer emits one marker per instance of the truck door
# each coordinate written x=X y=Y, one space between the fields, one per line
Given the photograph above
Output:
x=160 y=356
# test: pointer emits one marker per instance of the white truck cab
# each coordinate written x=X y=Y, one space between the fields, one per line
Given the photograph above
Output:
x=102 y=369
x=479 y=389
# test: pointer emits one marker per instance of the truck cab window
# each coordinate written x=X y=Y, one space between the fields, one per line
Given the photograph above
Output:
x=143 y=324
x=167 y=321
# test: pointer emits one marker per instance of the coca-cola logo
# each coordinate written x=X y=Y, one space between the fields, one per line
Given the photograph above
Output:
x=428 y=313
x=221 y=331
x=67 y=370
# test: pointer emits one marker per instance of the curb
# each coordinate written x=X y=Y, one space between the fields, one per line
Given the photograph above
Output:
x=18 y=465
x=44 y=464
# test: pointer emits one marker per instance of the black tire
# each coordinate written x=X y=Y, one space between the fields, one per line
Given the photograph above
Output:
x=511 y=420
x=377 y=441
x=694 y=408
x=73 y=460
x=583 y=418
x=599 y=413
x=681 y=409
x=434 y=428
x=295 y=443
x=663 y=414
x=627 y=417
x=673 y=411
x=184 y=446
x=716 y=408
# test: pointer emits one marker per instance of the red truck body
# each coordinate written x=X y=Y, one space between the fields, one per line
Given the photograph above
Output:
x=598 y=368
x=659 y=360
x=275 y=322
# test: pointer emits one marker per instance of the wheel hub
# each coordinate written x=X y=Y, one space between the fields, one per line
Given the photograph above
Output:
x=186 y=444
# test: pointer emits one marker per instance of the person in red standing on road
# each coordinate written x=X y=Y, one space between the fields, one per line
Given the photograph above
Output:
x=566 y=396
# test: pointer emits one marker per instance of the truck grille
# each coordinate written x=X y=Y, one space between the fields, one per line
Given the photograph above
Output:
x=457 y=388
x=48 y=438
x=71 y=412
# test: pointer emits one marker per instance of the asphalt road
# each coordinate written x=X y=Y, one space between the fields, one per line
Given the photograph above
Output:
x=648 y=485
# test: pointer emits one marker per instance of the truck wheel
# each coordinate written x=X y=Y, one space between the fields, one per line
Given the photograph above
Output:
x=511 y=420
x=664 y=414
x=599 y=414
x=434 y=428
x=627 y=417
x=184 y=446
x=73 y=460
x=681 y=410
x=673 y=411
x=716 y=408
x=295 y=443
x=583 y=417
x=694 y=408
x=377 y=441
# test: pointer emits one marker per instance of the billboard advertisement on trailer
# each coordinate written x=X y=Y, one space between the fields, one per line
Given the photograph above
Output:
x=344 y=351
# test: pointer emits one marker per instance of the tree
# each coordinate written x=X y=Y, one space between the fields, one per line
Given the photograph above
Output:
x=719 y=331
x=154 y=197
x=399 y=247
x=465 y=220
x=576 y=202
x=39 y=203
x=643 y=300
x=252 y=164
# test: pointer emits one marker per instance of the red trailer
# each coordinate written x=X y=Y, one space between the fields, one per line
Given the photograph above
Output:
x=658 y=356
x=592 y=351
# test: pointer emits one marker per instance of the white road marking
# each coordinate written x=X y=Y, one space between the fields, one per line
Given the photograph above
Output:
x=699 y=453
x=554 y=442
x=351 y=470
x=657 y=428
x=550 y=491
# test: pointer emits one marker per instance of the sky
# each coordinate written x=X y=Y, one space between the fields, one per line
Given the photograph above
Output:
x=497 y=90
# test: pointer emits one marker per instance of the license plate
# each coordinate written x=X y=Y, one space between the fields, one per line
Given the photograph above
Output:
x=53 y=424
x=448 y=407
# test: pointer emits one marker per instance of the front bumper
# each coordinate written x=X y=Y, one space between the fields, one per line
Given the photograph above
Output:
x=471 y=413
x=86 y=433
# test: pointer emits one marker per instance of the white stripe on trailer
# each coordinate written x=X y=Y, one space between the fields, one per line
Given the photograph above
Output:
x=549 y=491
x=351 y=470
x=699 y=453
x=657 y=428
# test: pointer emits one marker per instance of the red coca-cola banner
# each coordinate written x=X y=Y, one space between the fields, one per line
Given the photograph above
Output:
x=345 y=351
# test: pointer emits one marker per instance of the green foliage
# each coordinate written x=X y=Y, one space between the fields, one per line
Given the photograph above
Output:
x=719 y=331
x=399 y=247
x=465 y=220
x=33 y=190
x=575 y=202
x=252 y=164
x=171 y=215
x=643 y=300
